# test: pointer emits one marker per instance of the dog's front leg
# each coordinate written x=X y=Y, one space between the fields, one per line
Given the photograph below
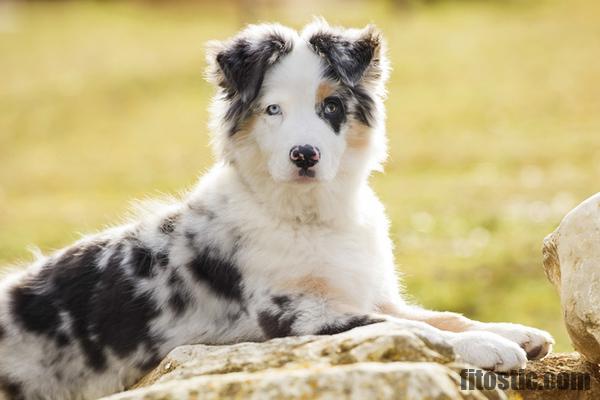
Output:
x=536 y=343
x=298 y=314
x=294 y=315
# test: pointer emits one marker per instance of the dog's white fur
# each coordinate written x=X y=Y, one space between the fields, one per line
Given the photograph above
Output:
x=310 y=252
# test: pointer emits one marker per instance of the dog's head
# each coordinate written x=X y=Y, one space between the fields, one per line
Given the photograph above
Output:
x=300 y=107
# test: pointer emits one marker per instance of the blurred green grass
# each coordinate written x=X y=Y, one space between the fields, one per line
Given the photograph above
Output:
x=494 y=125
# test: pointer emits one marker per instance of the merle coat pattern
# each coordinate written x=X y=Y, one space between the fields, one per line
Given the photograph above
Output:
x=259 y=249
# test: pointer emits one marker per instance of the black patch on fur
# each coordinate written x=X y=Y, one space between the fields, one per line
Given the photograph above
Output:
x=104 y=308
x=74 y=279
x=334 y=120
x=347 y=60
x=355 y=101
x=34 y=309
x=163 y=258
x=221 y=275
x=67 y=283
x=64 y=284
x=283 y=302
x=243 y=64
x=168 y=225
x=2 y=332
x=276 y=324
x=179 y=299
x=12 y=389
x=120 y=315
x=346 y=325
x=365 y=105
x=141 y=261
x=174 y=279
x=177 y=303
x=62 y=339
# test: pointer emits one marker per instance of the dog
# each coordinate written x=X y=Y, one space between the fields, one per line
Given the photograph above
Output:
x=283 y=236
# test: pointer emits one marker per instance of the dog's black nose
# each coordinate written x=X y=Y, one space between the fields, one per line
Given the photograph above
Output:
x=305 y=156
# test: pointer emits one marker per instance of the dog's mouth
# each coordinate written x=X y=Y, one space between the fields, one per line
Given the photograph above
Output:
x=306 y=172
x=305 y=176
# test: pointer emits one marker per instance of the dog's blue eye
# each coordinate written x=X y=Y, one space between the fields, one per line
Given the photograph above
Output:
x=273 y=109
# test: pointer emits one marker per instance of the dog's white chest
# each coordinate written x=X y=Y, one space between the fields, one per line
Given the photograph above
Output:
x=324 y=262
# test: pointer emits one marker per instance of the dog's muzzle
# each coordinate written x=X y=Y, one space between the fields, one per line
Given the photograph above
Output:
x=305 y=156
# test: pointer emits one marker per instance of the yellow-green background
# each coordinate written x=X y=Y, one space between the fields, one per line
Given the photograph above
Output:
x=494 y=125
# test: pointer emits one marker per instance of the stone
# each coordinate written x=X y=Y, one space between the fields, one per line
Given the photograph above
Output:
x=354 y=381
x=380 y=361
x=572 y=264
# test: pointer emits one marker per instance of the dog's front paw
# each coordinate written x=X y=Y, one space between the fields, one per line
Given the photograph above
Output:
x=488 y=351
x=536 y=342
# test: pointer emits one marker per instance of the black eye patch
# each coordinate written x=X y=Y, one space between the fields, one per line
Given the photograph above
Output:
x=333 y=111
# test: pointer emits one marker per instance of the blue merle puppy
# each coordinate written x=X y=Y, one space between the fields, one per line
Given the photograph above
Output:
x=282 y=237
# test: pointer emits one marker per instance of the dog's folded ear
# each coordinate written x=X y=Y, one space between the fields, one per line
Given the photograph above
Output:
x=352 y=55
x=238 y=65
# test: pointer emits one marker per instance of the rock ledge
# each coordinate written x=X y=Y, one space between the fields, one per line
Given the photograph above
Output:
x=375 y=362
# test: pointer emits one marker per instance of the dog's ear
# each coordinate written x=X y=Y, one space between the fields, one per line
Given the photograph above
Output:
x=352 y=56
x=238 y=65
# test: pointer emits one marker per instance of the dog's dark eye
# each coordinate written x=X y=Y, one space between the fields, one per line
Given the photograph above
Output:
x=332 y=111
x=273 y=109
x=332 y=106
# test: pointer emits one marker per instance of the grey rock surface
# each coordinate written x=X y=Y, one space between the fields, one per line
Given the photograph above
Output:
x=374 y=362
x=572 y=264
